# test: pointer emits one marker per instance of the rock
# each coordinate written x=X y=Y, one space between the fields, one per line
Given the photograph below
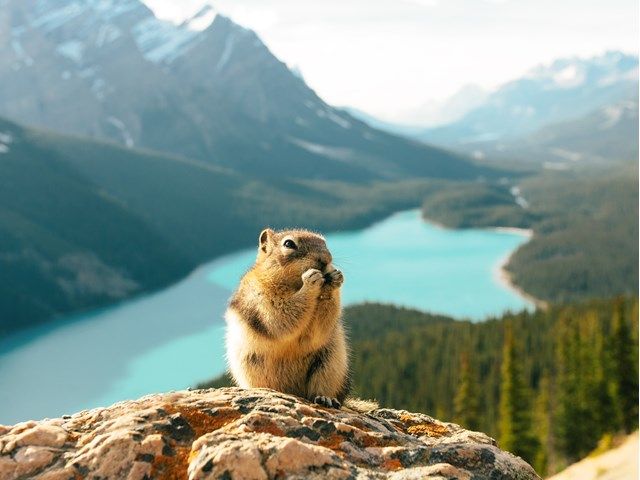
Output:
x=231 y=433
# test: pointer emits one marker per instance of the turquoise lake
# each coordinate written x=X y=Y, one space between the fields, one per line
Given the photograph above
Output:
x=174 y=338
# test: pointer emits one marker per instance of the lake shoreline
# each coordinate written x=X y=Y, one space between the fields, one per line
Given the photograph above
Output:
x=505 y=278
x=501 y=274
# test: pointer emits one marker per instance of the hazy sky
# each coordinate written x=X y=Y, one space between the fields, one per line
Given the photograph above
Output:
x=388 y=57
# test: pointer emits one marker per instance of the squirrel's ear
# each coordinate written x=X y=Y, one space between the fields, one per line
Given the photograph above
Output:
x=265 y=239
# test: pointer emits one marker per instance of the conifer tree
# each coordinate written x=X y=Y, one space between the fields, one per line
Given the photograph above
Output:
x=543 y=421
x=515 y=422
x=593 y=401
x=570 y=424
x=625 y=369
x=466 y=401
x=634 y=329
x=603 y=388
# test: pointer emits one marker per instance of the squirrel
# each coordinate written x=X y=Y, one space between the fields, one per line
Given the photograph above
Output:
x=284 y=324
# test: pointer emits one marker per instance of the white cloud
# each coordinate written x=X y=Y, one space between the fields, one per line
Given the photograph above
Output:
x=259 y=17
x=423 y=3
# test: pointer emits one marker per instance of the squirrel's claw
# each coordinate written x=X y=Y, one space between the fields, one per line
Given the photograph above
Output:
x=327 y=402
x=334 y=278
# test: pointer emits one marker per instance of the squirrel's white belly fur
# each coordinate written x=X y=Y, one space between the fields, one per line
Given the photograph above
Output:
x=301 y=371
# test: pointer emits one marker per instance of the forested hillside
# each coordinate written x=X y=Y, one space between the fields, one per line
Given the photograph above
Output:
x=585 y=224
x=586 y=241
x=548 y=385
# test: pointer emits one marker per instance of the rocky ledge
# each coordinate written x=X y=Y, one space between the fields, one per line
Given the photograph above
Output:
x=230 y=433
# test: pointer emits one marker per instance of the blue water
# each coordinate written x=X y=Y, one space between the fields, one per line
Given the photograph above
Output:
x=175 y=338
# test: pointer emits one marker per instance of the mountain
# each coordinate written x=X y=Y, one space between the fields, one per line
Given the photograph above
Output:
x=567 y=89
x=391 y=127
x=429 y=114
x=85 y=223
x=440 y=112
x=207 y=89
x=604 y=136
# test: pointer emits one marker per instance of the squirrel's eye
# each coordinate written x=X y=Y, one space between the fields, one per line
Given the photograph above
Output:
x=290 y=244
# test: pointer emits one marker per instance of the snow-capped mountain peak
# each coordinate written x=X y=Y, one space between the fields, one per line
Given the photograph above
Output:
x=569 y=76
x=202 y=19
x=162 y=41
x=565 y=73
x=608 y=68
x=76 y=26
x=564 y=90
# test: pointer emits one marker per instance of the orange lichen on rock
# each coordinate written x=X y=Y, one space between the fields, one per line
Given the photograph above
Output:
x=392 y=464
x=371 y=440
x=407 y=418
x=423 y=425
x=429 y=429
x=204 y=422
x=172 y=467
x=333 y=442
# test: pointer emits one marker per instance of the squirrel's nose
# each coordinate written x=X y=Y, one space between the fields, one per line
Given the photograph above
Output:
x=323 y=261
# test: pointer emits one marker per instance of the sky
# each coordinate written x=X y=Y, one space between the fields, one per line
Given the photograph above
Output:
x=396 y=58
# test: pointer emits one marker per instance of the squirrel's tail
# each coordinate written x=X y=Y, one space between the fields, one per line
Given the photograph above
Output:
x=360 y=406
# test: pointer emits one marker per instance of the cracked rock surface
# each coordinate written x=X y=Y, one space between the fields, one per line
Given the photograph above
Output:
x=231 y=433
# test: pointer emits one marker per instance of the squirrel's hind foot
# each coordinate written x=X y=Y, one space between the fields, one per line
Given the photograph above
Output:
x=327 y=402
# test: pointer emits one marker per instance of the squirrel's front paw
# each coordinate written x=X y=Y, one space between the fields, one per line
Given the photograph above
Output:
x=313 y=278
x=334 y=278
